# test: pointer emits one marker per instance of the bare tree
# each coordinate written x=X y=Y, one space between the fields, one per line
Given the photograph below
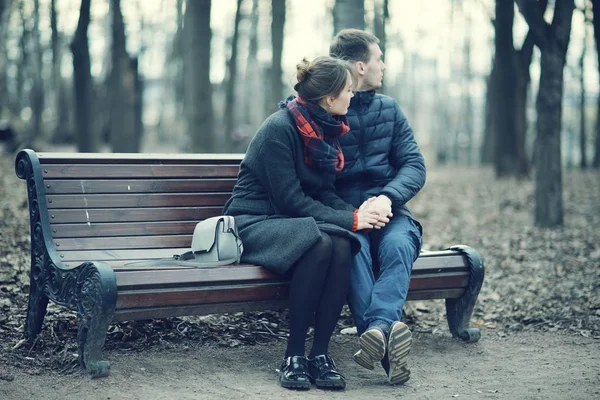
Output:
x=277 y=25
x=553 y=42
x=596 y=23
x=504 y=73
x=123 y=136
x=4 y=12
x=348 y=14
x=197 y=90
x=582 y=127
x=253 y=115
x=61 y=129
x=232 y=68
x=86 y=139
x=517 y=159
x=380 y=19
x=37 y=89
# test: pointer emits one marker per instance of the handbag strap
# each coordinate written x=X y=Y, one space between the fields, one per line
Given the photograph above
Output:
x=183 y=260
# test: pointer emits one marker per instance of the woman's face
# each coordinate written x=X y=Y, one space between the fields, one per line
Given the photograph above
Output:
x=340 y=104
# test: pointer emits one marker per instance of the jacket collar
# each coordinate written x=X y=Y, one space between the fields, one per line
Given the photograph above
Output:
x=362 y=98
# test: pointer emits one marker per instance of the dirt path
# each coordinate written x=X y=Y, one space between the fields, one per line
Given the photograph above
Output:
x=522 y=366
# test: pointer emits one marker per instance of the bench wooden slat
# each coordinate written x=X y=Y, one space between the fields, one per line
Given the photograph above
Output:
x=122 y=229
x=78 y=171
x=124 y=242
x=222 y=294
x=253 y=274
x=216 y=294
x=74 y=201
x=193 y=276
x=97 y=215
x=128 y=314
x=119 y=158
x=164 y=185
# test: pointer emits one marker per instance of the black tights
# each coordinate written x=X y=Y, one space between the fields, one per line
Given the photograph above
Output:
x=320 y=282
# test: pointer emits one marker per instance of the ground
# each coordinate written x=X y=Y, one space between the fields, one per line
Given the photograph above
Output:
x=539 y=312
x=528 y=365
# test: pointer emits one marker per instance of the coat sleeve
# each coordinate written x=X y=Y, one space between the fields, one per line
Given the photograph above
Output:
x=276 y=170
x=408 y=161
x=331 y=199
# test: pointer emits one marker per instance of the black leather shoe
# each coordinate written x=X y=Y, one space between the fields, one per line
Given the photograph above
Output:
x=324 y=373
x=294 y=373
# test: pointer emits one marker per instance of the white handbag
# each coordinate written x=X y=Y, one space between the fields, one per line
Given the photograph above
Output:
x=215 y=242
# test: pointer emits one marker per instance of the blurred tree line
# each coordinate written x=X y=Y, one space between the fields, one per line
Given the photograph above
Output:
x=56 y=90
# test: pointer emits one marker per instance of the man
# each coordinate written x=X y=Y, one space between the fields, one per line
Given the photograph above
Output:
x=383 y=169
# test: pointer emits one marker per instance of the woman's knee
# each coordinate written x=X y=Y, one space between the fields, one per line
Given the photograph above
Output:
x=323 y=247
x=341 y=246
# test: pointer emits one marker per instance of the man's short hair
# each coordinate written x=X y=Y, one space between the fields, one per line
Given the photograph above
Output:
x=352 y=45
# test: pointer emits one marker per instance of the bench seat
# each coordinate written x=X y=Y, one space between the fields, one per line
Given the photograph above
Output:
x=92 y=216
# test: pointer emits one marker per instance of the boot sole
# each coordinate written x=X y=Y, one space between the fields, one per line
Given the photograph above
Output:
x=295 y=385
x=399 y=346
x=372 y=348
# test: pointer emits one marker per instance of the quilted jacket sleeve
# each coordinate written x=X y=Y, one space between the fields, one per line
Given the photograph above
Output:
x=276 y=170
x=407 y=159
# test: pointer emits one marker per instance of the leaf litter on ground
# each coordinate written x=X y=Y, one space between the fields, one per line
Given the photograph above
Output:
x=536 y=279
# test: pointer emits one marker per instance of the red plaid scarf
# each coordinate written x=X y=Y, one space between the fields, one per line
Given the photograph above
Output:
x=320 y=132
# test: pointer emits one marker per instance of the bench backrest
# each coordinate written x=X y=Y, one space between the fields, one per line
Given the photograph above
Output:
x=131 y=206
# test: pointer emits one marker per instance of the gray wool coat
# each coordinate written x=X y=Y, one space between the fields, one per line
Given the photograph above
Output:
x=280 y=203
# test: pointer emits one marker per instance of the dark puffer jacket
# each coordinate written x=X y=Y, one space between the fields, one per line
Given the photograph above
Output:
x=380 y=154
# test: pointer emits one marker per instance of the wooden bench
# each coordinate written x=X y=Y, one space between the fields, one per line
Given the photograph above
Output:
x=92 y=214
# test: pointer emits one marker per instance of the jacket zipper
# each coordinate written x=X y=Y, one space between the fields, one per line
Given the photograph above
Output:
x=361 y=139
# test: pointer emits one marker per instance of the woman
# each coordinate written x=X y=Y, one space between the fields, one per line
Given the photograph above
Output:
x=292 y=222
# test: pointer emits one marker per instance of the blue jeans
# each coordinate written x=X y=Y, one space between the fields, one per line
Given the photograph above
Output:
x=395 y=248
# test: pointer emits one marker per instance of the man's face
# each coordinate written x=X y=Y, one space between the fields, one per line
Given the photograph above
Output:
x=373 y=69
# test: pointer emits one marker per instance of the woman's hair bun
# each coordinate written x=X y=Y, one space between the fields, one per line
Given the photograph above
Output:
x=303 y=70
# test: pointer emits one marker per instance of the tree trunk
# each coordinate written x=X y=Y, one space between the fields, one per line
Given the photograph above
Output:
x=230 y=103
x=61 y=128
x=36 y=95
x=277 y=25
x=198 y=103
x=596 y=23
x=553 y=42
x=504 y=117
x=488 y=147
x=548 y=188
x=523 y=77
x=582 y=128
x=254 y=86
x=467 y=149
x=381 y=16
x=4 y=7
x=86 y=139
x=348 y=14
x=122 y=89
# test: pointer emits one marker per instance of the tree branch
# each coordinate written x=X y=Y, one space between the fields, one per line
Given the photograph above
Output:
x=561 y=22
x=534 y=15
x=526 y=51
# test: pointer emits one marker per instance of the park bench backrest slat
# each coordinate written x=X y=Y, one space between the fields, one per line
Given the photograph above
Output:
x=132 y=207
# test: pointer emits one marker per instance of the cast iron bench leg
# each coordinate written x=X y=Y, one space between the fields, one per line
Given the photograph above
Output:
x=95 y=300
x=460 y=310
x=36 y=309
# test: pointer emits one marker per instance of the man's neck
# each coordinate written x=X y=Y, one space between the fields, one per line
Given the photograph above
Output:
x=362 y=88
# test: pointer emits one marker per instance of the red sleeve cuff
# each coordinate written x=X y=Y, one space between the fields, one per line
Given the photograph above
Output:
x=355 y=224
